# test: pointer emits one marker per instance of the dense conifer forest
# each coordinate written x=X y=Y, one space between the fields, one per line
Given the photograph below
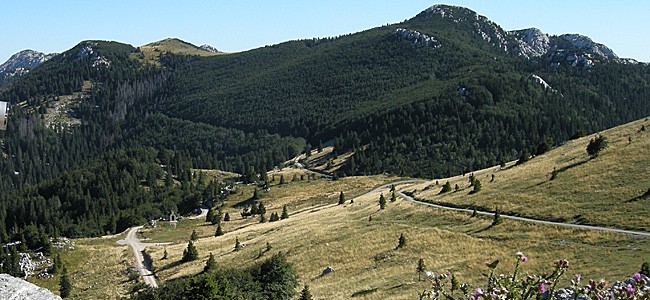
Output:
x=400 y=107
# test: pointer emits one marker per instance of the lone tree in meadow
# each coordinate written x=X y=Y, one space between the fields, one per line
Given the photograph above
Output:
x=393 y=197
x=237 y=244
x=446 y=188
x=285 y=213
x=421 y=268
x=597 y=144
x=190 y=253
x=194 y=236
x=305 y=294
x=226 y=217
x=401 y=242
x=341 y=198
x=210 y=265
x=382 y=202
x=497 y=217
x=219 y=231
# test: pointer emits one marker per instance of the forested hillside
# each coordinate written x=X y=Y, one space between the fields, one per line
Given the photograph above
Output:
x=439 y=94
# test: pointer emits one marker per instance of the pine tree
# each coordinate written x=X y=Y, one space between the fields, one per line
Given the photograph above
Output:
x=497 y=218
x=262 y=218
x=210 y=265
x=393 y=197
x=382 y=201
x=305 y=294
x=65 y=286
x=285 y=213
x=261 y=209
x=190 y=253
x=57 y=264
x=268 y=247
x=194 y=236
x=401 y=242
x=237 y=244
x=274 y=217
x=282 y=179
x=474 y=213
x=226 y=217
x=420 y=268
x=219 y=231
x=165 y=254
x=341 y=198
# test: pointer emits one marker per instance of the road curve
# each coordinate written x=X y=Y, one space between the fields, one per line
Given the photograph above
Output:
x=138 y=247
x=586 y=227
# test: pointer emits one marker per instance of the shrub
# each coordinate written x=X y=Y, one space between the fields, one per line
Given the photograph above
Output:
x=596 y=145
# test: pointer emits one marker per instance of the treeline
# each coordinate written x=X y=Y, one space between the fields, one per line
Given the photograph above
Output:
x=124 y=188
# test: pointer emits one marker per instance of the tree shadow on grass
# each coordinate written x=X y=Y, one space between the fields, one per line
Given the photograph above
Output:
x=563 y=169
x=645 y=195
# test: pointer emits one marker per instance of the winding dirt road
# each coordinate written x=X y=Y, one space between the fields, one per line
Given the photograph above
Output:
x=143 y=267
x=586 y=227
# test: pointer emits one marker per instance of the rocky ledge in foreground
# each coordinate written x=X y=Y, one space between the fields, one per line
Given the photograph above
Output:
x=16 y=288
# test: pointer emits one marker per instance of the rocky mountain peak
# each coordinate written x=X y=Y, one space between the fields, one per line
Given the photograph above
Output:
x=21 y=62
x=530 y=42
x=585 y=43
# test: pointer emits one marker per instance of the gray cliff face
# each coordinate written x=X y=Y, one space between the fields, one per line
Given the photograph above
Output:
x=16 y=288
x=530 y=42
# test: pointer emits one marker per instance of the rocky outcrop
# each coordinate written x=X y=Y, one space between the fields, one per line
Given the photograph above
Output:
x=209 y=48
x=530 y=42
x=418 y=39
x=15 y=288
x=21 y=62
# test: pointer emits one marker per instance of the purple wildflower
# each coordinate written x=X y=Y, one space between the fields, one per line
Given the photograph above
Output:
x=578 y=276
x=542 y=288
x=478 y=293
x=524 y=259
x=636 y=276
x=630 y=289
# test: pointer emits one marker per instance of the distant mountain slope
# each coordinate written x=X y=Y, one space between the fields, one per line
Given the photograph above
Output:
x=21 y=62
x=154 y=50
x=442 y=93
x=448 y=81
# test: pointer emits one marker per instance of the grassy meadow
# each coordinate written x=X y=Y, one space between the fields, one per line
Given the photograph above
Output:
x=359 y=240
x=601 y=191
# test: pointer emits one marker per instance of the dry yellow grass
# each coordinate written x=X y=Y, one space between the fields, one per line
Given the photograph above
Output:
x=365 y=259
x=320 y=233
x=151 y=52
x=97 y=268
x=599 y=191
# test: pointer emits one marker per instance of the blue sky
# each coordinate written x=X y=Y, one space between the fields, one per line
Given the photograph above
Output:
x=54 y=26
